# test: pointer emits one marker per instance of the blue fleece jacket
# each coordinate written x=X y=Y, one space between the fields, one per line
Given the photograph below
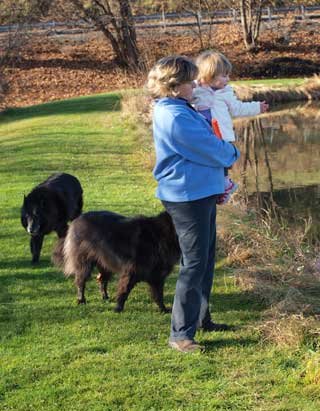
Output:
x=190 y=159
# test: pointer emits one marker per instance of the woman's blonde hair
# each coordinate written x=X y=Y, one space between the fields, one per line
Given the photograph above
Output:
x=212 y=64
x=168 y=73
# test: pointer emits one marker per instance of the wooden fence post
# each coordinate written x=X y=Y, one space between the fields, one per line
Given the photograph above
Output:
x=269 y=14
x=164 y=27
x=234 y=13
x=199 y=17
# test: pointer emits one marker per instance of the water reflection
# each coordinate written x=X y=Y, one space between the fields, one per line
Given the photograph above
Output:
x=279 y=170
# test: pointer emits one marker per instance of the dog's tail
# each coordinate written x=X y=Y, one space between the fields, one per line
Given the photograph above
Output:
x=70 y=255
x=74 y=250
x=64 y=253
x=57 y=257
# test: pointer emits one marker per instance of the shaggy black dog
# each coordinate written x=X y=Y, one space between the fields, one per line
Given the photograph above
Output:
x=139 y=249
x=49 y=207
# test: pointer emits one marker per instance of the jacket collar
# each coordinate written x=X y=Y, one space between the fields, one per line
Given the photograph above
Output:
x=176 y=101
x=180 y=101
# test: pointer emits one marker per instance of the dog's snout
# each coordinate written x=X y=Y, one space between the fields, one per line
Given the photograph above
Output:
x=32 y=228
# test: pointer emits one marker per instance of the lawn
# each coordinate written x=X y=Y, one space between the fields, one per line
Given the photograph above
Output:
x=271 y=82
x=56 y=355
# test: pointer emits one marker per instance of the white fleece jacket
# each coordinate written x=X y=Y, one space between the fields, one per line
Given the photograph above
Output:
x=224 y=105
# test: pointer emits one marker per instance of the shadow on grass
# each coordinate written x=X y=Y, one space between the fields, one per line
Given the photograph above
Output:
x=229 y=342
x=79 y=105
x=96 y=350
x=235 y=302
x=220 y=302
x=22 y=263
x=59 y=164
x=49 y=139
x=31 y=272
x=32 y=296
x=27 y=298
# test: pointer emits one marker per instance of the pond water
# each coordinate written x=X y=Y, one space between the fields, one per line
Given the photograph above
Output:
x=279 y=170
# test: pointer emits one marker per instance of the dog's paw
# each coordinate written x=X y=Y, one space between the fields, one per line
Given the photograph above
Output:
x=118 y=309
x=166 y=310
x=81 y=301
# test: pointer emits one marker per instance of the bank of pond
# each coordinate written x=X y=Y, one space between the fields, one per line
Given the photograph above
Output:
x=279 y=170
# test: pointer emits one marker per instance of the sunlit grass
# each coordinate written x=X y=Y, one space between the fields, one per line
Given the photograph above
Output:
x=56 y=355
x=270 y=82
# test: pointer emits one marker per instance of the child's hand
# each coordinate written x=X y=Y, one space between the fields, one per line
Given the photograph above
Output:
x=263 y=107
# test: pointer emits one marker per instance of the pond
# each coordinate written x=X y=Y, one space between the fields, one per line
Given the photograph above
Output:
x=279 y=170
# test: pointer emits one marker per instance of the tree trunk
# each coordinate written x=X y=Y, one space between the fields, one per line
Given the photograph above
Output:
x=117 y=25
x=129 y=38
x=250 y=12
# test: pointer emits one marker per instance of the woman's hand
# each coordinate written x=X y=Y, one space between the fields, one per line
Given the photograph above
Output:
x=263 y=106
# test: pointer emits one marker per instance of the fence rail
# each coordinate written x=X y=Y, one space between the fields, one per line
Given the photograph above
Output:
x=302 y=10
x=215 y=17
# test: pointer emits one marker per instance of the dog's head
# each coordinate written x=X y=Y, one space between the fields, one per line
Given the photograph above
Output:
x=33 y=214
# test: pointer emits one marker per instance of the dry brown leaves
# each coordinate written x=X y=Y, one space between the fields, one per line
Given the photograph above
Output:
x=59 y=67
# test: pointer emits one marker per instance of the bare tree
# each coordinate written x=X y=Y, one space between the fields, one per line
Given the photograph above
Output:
x=203 y=12
x=250 y=12
x=114 y=19
x=17 y=15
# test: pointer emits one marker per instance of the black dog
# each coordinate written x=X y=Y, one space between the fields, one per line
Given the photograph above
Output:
x=139 y=249
x=49 y=207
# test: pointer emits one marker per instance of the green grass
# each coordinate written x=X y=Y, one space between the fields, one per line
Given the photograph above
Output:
x=56 y=355
x=271 y=82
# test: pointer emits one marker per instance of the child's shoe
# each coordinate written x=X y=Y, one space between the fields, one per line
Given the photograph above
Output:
x=223 y=199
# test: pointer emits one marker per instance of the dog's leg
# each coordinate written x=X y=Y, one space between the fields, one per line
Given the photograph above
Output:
x=126 y=283
x=156 y=289
x=80 y=282
x=79 y=207
x=35 y=247
x=62 y=231
x=102 y=279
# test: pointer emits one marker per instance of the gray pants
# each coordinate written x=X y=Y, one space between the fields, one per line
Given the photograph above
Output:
x=195 y=224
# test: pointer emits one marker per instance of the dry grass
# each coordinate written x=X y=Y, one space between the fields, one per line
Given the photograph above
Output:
x=276 y=265
x=284 y=275
x=291 y=331
x=311 y=374
x=137 y=109
x=310 y=90
x=137 y=106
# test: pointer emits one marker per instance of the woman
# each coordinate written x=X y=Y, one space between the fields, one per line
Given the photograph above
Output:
x=189 y=168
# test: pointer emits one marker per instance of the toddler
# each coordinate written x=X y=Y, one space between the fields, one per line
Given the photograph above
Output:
x=215 y=99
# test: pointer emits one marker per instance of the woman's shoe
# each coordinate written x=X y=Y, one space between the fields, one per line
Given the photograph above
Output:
x=186 y=346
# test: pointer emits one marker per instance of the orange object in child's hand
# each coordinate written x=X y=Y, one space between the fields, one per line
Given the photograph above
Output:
x=216 y=128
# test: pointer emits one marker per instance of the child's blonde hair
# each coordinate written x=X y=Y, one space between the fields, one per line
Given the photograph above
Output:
x=168 y=73
x=212 y=64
